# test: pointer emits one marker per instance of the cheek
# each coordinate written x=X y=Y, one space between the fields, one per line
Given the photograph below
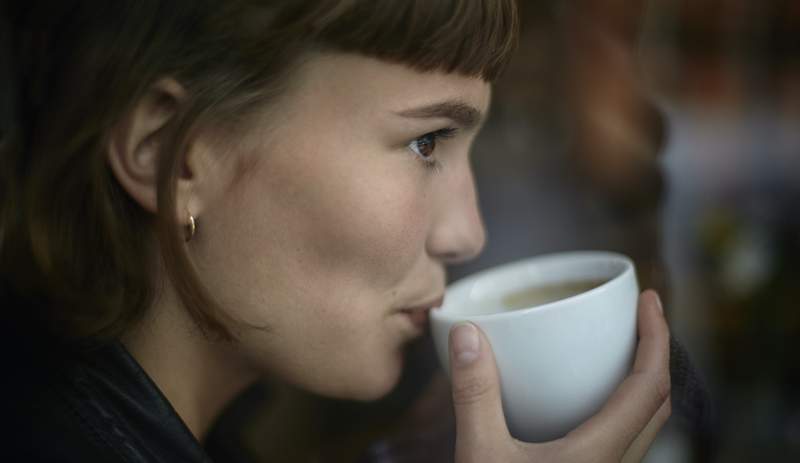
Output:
x=377 y=226
x=365 y=219
x=335 y=239
x=313 y=251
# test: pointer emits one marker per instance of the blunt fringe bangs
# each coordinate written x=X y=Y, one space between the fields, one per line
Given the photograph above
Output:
x=469 y=37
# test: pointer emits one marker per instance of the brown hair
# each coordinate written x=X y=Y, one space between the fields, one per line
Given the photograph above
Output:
x=71 y=239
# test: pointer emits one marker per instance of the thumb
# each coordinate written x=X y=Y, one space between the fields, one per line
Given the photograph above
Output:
x=480 y=424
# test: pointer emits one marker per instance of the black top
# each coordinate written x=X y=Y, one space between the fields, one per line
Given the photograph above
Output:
x=100 y=406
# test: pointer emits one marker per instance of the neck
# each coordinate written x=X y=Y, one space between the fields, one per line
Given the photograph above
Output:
x=197 y=375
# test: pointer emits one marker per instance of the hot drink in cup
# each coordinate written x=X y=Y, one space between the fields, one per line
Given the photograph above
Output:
x=563 y=331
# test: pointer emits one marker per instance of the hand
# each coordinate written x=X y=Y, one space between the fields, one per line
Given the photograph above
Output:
x=622 y=430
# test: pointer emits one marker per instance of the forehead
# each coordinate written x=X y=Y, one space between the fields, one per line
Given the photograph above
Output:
x=352 y=82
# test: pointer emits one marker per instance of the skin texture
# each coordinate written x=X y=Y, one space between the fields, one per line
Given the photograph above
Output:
x=314 y=229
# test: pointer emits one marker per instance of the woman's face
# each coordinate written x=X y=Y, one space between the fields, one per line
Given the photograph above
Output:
x=345 y=202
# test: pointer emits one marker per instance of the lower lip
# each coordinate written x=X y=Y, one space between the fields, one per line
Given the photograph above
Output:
x=418 y=318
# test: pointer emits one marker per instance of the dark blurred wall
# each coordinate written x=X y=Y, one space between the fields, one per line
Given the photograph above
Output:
x=727 y=74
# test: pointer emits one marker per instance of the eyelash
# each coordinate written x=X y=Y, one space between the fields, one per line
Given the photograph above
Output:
x=431 y=162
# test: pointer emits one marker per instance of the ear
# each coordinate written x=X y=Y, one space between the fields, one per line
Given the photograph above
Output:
x=135 y=142
x=135 y=145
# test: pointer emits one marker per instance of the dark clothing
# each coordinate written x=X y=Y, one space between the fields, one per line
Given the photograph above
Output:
x=101 y=406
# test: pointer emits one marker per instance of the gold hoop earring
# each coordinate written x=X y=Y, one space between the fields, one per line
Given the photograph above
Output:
x=191 y=228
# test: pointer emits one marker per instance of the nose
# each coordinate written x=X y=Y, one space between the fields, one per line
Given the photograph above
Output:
x=457 y=232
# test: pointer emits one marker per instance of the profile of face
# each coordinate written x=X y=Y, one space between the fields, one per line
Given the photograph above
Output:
x=336 y=211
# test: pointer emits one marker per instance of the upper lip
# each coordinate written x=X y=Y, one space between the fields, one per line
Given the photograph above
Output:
x=425 y=306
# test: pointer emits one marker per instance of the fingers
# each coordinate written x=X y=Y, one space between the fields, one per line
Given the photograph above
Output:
x=480 y=424
x=637 y=451
x=638 y=399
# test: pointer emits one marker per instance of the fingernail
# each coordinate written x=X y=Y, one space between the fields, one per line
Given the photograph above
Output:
x=658 y=303
x=466 y=343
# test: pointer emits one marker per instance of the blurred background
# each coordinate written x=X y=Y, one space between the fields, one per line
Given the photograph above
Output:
x=668 y=130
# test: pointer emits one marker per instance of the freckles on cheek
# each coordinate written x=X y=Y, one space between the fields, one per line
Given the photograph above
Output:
x=396 y=239
x=385 y=235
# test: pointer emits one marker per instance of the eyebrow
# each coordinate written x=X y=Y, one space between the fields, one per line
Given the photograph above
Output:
x=463 y=114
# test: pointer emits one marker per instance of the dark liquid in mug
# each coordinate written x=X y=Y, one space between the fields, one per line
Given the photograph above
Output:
x=538 y=295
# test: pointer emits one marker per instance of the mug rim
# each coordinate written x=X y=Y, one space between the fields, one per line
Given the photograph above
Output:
x=440 y=313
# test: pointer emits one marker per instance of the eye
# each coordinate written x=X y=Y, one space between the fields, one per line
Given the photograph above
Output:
x=425 y=145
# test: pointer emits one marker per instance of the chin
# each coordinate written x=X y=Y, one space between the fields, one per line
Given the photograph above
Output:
x=374 y=390
x=379 y=383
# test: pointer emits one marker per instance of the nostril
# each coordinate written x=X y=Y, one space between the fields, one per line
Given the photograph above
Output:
x=452 y=258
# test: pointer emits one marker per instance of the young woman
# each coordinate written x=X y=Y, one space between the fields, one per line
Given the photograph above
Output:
x=199 y=194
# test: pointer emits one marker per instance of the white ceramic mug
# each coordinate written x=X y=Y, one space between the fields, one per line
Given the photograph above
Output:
x=560 y=361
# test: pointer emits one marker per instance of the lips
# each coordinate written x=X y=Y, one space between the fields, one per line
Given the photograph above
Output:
x=419 y=314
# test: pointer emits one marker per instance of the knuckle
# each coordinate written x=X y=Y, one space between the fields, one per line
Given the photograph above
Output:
x=663 y=387
x=471 y=390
